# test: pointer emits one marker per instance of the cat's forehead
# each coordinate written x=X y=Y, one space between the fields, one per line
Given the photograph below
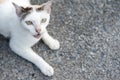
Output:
x=37 y=15
x=34 y=8
x=34 y=11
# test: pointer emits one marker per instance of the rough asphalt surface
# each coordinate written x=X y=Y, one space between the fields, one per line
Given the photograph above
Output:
x=89 y=33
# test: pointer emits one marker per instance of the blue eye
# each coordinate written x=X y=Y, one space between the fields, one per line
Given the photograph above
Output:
x=43 y=20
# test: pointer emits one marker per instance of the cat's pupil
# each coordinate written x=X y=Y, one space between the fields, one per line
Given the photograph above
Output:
x=29 y=22
x=43 y=20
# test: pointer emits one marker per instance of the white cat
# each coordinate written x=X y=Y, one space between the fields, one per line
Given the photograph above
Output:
x=25 y=25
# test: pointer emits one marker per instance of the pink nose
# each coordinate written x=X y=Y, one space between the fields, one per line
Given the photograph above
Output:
x=38 y=30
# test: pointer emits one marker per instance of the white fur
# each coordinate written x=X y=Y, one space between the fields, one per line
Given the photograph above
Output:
x=21 y=36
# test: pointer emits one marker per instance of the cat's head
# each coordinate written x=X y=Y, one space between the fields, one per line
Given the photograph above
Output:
x=34 y=18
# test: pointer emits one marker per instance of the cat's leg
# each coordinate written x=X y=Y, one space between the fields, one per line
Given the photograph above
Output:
x=31 y=56
x=50 y=41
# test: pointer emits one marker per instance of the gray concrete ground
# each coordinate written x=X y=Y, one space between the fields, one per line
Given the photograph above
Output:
x=89 y=33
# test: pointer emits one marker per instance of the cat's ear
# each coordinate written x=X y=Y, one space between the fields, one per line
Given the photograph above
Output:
x=47 y=6
x=18 y=9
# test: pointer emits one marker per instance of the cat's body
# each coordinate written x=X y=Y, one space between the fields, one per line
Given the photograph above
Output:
x=25 y=25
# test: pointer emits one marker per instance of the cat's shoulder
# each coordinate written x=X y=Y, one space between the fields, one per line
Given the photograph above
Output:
x=2 y=1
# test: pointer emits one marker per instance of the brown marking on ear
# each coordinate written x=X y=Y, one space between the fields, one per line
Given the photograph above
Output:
x=40 y=8
x=1 y=1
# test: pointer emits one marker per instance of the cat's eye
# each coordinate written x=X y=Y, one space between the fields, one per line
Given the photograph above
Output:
x=43 y=20
x=29 y=22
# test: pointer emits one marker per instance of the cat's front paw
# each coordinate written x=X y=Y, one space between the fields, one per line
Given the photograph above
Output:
x=47 y=70
x=55 y=45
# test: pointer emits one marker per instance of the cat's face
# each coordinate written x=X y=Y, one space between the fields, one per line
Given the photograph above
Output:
x=36 y=22
x=34 y=18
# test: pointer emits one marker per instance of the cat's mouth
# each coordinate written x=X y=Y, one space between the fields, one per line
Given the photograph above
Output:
x=37 y=36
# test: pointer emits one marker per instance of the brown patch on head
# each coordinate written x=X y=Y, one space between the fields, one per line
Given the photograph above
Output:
x=21 y=11
x=40 y=8
x=45 y=6
x=25 y=12
x=27 y=9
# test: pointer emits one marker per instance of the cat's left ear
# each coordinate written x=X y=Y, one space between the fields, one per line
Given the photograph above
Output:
x=21 y=10
x=47 y=6
x=18 y=9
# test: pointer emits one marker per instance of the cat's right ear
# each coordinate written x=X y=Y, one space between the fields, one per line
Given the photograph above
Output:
x=18 y=9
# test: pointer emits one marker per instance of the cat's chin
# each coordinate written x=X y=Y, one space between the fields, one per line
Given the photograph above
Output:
x=37 y=36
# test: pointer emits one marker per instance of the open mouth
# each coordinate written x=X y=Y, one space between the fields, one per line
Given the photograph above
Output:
x=37 y=36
